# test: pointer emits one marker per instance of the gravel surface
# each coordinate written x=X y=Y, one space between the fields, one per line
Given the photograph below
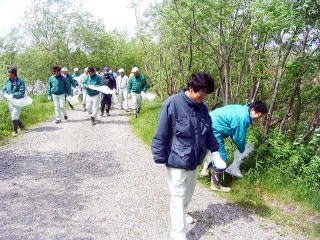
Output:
x=82 y=182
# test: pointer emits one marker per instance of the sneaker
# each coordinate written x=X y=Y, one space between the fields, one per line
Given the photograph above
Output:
x=58 y=121
x=108 y=114
x=219 y=188
x=127 y=110
x=14 y=134
x=101 y=114
x=92 y=121
x=66 y=118
x=189 y=219
x=84 y=110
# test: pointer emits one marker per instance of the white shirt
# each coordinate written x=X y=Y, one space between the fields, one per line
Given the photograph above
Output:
x=122 y=82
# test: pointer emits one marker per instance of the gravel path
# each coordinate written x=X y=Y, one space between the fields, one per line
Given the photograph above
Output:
x=82 y=182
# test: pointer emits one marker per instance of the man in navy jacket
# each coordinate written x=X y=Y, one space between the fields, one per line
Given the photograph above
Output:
x=181 y=142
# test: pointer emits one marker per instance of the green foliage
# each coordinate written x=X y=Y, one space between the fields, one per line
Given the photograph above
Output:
x=40 y=110
x=145 y=125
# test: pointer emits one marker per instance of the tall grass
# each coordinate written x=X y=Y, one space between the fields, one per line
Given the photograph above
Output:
x=40 y=109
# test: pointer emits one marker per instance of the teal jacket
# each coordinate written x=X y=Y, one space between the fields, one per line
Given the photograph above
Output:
x=232 y=121
x=18 y=90
x=76 y=74
x=58 y=85
x=137 y=84
x=95 y=80
x=71 y=81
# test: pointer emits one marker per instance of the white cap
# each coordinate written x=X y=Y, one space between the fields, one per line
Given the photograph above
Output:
x=110 y=71
x=121 y=70
x=135 y=69
x=76 y=69
x=64 y=69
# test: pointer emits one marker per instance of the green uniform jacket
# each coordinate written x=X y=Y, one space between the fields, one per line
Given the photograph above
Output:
x=71 y=81
x=58 y=85
x=95 y=80
x=17 y=90
x=137 y=84
x=76 y=75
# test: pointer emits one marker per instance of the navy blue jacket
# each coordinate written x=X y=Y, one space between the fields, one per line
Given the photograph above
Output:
x=184 y=133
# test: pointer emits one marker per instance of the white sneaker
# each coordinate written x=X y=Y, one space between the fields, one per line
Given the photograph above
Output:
x=189 y=219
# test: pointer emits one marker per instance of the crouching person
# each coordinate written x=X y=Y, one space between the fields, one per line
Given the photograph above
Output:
x=58 y=88
x=93 y=96
x=14 y=87
x=231 y=121
x=181 y=142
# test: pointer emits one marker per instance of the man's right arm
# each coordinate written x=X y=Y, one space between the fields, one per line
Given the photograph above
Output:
x=160 y=141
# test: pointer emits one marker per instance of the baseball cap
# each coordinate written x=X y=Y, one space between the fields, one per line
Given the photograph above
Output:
x=135 y=69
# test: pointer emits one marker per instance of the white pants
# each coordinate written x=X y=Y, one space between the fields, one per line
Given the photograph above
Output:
x=136 y=100
x=14 y=111
x=59 y=102
x=84 y=96
x=123 y=98
x=92 y=104
x=181 y=185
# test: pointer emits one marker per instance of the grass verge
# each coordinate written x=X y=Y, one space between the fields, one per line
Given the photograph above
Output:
x=267 y=197
x=40 y=110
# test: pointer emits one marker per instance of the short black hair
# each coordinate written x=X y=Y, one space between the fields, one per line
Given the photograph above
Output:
x=201 y=81
x=12 y=69
x=56 y=69
x=90 y=69
x=259 y=106
x=97 y=69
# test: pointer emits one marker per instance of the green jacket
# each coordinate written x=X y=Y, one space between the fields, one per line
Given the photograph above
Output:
x=71 y=81
x=137 y=84
x=17 y=90
x=58 y=85
x=95 y=80
x=76 y=74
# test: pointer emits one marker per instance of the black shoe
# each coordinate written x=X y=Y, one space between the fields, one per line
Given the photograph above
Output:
x=101 y=114
x=21 y=125
x=92 y=121
x=139 y=110
x=58 y=121
x=108 y=114
x=65 y=117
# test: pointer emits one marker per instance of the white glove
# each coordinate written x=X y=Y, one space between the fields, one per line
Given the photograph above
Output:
x=8 y=96
x=49 y=98
x=217 y=160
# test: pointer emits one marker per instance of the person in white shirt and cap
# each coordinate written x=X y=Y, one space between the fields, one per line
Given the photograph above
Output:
x=122 y=89
x=84 y=92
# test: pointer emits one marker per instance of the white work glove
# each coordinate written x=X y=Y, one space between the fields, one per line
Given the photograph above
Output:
x=217 y=160
x=8 y=96
x=49 y=98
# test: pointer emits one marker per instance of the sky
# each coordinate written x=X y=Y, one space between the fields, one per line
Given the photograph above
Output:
x=116 y=14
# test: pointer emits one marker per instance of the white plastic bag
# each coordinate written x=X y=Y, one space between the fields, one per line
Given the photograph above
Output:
x=234 y=168
x=73 y=100
x=103 y=89
x=148 y=96
x=21 y=102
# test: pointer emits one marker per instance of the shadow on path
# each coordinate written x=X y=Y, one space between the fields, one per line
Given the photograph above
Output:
x=215 y=214
x=40 y=197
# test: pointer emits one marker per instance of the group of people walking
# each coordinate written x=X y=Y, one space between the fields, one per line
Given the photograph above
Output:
x=60 y=83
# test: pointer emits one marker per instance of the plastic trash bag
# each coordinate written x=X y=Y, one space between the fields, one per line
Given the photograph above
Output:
x=21 y=102
x=73 y=100
x=234 y=168
x=103 y=89
x=148 y=96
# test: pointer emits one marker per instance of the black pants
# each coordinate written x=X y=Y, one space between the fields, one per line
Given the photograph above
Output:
x=106 y=100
